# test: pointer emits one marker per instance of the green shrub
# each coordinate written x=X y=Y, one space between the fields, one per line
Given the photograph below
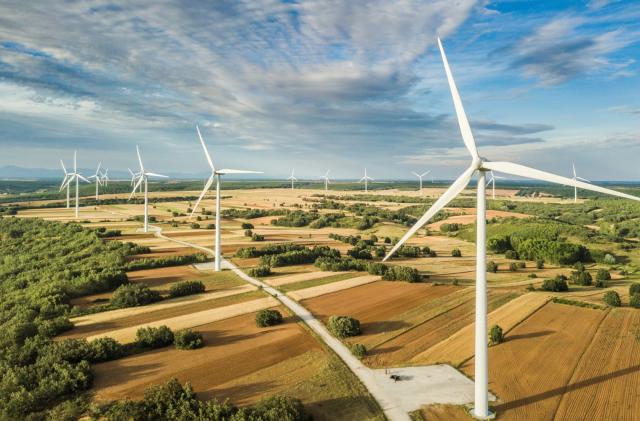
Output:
x=496 y=335
x=402 y=273
x=521 y=265
x=634 y=300
x=195 y=225
x=248 y=233
x=247 y=226
x=513 y=267
x=601 y=283
x=387 y=240
x=343 y=326
x=492 y=267
x=105 y=349
x=359 y=350
x=611 y=298
x=132 y=295
x=268 y=317
x=557 y=284
x=257 y=237
x=603 y=275
x=581 y=277
x=532 y=276
x=456 y=253
x=539 y=263
x=262 y=270
x=634 y=288
x=210 y=226
x=188 y=339
x=186 y=288
x=609 y=259
x=154 y=337
x=511 y=254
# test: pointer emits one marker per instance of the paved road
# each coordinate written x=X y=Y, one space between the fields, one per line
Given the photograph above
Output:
x=387 y=402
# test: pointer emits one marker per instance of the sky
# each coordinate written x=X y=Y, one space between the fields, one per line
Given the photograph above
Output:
x=323 y=84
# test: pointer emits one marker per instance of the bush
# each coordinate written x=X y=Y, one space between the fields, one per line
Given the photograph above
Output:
x=634 y=288
x=513 y=267
x=343 y=326
x=581 y=277
x=257 y=237
x=154 y=337
x=634 y=300
x=209 y=226
x=492 y=267
x=456 y=253
x=521 y=265
x=496 y=336
x=262 y=270
x=402 y=273
x=557 y=284
x=132 y=295
x=609 y=259
x=105 y=349
x=601 y=283
x=539 y=264
x=532 y=276
x=511 y=254
x=186 y=288
x=359 y=350
x=387 y=240
x=188 y=339
x=268 y=317
x=603 y=275
x=195 y=225
x=247 y=226
x=248 y=233
x=611 y=298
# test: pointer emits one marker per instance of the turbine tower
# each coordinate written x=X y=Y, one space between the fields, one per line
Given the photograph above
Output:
x=142 y=176
x=420 y=177
x=215 y=175
x=292 y=177
x=325 y=177
x=492 y=180
x=64 y=181
x=366 y=178
x=481 y=166
x=104 y=177
x=98 y=177
x=576 y=178
x=75 y=176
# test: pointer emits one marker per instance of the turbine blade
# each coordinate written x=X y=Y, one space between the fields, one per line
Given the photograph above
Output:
x=522 y=171
x=447 y=197
x=204 y=191
x=465 y=129
x=135 y=187
x=416 y=174
x=99 y=165
x=152 y=174
x=425 y=173
x=63 y=167
x=64 y=182
x=75 y=168
x=139 y=159
x=232 y=171
x=82 y=178
x=206 y=152
x=583 y=179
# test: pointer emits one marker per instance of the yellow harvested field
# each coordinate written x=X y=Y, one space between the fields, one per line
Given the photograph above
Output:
x=305 y=276
x=316 y=291
x=459 y=347
x=468 y=216
x=107 y=316
x=128 y=334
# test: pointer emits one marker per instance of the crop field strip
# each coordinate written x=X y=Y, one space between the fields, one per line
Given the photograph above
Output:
x=331 y=287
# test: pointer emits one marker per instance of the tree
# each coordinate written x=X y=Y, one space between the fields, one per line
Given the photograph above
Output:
x=492 y=267
x=496 y=335
x=343 y=326
x=581 y=277
x=456 y=252
x=247 y=226
x=539 y=263
x=513 y=267
x=268 y=317
x=262 y=270
x=634 y=300
x=611 y=298
x=359 y=350
x=511 y=254
x=557 y=284
x=195 y=225
x=154 y=337
x=188 y=339
x=132 y=295
x=603 y=275
x=609 y=259
x=184 y=288
x=248 y=233
x=634 y=288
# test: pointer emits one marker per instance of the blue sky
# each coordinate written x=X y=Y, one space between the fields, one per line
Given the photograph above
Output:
x=321 y=84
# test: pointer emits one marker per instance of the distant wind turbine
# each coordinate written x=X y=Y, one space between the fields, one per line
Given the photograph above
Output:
x=365 y=178
x=576 y=178
x=64 y=181
x=420 y=177
x=325 y=177
x=142 y=176
x=98 y=177
x=292 y=178
x=481 y=166
x=492 y=180
x=215 y=175
x=104 y=177
x=75 y=176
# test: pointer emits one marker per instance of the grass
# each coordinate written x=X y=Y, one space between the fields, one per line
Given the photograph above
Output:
x=316 y=282
x=559 y=300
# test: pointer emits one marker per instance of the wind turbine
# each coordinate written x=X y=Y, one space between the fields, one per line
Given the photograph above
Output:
x=104 y=177
x=420 y=177
x=215 y=175
x=134 y=175
x=140 y=177
x=75 y=176
x=576 y=178
x=481 y=166
x=292 y=178
x=325 y=177
x=98 y=177
x=64 y=181
x=365 y=179
x=492 y=180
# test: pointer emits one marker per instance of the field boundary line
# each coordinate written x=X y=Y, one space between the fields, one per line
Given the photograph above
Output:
x=584 y=352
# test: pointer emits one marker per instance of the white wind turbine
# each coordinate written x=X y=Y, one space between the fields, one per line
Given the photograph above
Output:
x=365 y=178
x=98 y=177
x=292 y=178
x=104 y=177
x=576 y=178
x=75 y=176
x=481 y=166
x=325 y=177
x=420 y=177
x=142 y=176
x=215 y=175
x=64 y=181
x=492 y=180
